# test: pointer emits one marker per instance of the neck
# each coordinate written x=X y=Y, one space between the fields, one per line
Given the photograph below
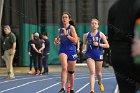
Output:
x=94 y=30
x=66 y=25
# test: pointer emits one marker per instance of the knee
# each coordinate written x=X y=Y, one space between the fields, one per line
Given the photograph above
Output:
x=71 y=72
x=64 y=69
x=98 y=74
x=92 y=73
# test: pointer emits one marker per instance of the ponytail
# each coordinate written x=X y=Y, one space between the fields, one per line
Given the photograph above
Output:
x=71 y=22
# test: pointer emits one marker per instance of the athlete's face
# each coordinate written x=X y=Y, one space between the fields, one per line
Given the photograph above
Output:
x=65 y=19
x=94 y=24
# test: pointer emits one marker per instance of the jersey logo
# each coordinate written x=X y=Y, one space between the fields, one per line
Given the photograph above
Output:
x=95 y=39
x=75 y=56
x=101 y=56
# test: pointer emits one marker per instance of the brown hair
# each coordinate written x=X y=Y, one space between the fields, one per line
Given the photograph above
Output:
x=71 y=22
x=94 y=19
x=67 y=14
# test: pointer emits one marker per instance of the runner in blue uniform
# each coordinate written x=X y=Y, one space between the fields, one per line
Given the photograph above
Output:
x=93 y=43
x=67 y=54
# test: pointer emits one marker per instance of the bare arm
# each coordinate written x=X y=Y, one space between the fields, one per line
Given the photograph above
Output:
x=57 y=39
x=14 y=46
x=13 y=49
x=84 y=43
x=78 y=45
x=105 y=42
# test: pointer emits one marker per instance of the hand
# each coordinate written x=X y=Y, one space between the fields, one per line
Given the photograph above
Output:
x=78 y=51
x=56 y=41
x=84 y=51
x=95 y=43
x=39 y=51
x=64 y=30
x=136 y=48
x=12 y=51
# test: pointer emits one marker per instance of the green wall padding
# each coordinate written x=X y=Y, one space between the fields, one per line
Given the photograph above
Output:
x=25 y=35
x=52 y=32
x=103 y=28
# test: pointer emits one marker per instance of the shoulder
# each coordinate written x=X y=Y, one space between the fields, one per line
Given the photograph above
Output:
x=47 y=40
x=72 y=27
x=12 y=34
x=32 y=41
x=41 y=40
x=101 y=34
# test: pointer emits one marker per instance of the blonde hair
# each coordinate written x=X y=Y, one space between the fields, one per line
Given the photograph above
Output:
x=32 y=36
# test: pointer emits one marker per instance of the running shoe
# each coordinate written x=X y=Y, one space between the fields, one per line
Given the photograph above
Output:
x=62 y=90
x=34 y=73
x=68 y=88
x=30 y=72
x=72 y=91
x=91 y=91
x=101 y=86
x=38 y=73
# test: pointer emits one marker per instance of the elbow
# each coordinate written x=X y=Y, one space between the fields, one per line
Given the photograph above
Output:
x=107 y=46
x=75 y=42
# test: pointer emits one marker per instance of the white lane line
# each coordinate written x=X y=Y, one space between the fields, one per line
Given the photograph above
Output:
x=20 y=79
x=16 y=76
x=116 y=89
x=82 y=88
x=57 y=84
x=26 y=84
x=89 y=83
x=48 y=87
x=37 y=77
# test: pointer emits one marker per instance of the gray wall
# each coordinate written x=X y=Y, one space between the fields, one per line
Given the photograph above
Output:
x=103 y=7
